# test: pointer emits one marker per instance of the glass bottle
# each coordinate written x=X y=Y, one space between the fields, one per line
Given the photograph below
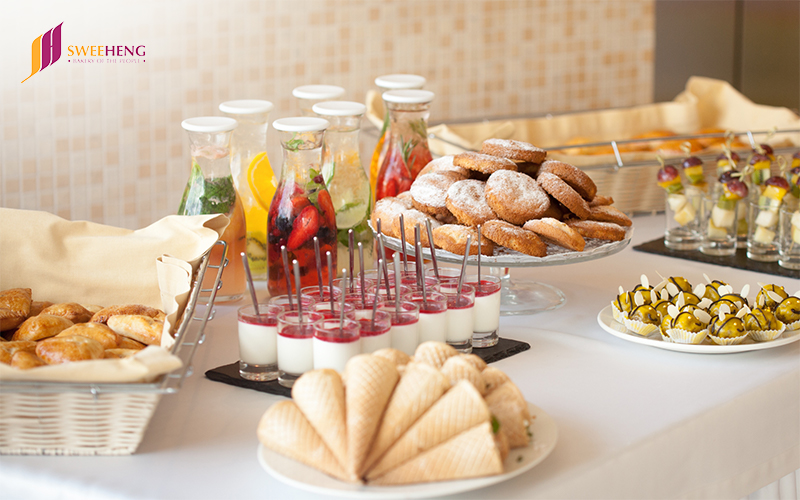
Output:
x=407 y=151
x=389 y=82
x=210 y=190
x=308 y=95
x=345 y=176
x=301 y=208
x=253 y=176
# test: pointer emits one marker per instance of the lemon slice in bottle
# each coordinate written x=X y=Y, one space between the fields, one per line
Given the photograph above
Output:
x=261 y=180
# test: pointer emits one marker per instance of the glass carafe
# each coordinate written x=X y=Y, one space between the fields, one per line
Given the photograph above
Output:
x=210 y=190
x=309 y=95
x=253 y=177
x=345 y=176
x=407 y=151
x=301 y=208
x=389 y=82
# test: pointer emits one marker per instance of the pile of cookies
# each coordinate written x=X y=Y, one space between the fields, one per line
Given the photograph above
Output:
x=521 y=200
x=42 y=333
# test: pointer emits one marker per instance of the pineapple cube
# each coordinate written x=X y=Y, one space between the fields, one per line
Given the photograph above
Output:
x=767 y=218
x=716 y=233
x=764 y=235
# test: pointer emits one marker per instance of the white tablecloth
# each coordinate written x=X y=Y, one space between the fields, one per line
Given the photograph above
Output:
x=634 y=421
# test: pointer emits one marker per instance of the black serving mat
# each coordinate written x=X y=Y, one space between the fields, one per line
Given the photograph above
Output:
x=229 y=374
x=738 y=261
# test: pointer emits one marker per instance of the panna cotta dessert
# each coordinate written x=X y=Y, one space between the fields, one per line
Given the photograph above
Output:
x=460 y=317
x=486 y=312
x=432 y=315
x=335 y=343
x=362 y=308
x=324 y=308
x=258 y=349
x=322 y=294
x=287 y=304
x=375 y=334
x=405 y=326
x=295 y=345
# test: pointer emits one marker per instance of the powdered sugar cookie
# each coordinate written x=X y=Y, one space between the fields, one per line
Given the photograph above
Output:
x=443 y=164
x=515 y=238
x=557 y=232
x=609 y=214
x=575 y=177
x=599 y=230
x=562 y=191
x=515 y=197
x=513 y=150
x=429 y=192
x=467 y=201
x=453 y=238
x=485 y=164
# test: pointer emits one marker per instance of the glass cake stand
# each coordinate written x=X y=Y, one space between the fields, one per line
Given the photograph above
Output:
x=525 y=296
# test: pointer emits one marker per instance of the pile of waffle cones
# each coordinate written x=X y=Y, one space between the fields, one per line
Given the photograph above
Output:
x=391 y=419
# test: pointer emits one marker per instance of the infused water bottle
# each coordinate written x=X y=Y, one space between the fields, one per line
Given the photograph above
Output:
x=210 y=190
x=308 y=95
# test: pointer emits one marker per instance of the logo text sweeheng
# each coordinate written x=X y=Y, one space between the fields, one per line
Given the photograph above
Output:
x=105 y=50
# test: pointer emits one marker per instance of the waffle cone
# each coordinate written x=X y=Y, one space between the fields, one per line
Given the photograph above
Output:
x=471 y=453
x=494 y=378
x=509 y=407
x=320 y=396
x=285 y=430
x=398 y=357
x=458 y=368
x=461 y=408
x=434 y=353
x=370 y=380
x=419 y=387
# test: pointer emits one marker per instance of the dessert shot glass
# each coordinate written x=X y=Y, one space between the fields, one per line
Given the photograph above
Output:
x=375 y=334
x=762 y=232
x=405 y=325
x=335 y=342
x=486 y=312
x=328 y=312
x=460 y=316
x=353 y=285
x=258 y=343
x=445 y=273
x=295 y=345
x=362 y=306
x=432 y=315
x=286 y=304
x=789 y=238
x=683 y=230
x=719 y=223
x=323 y=294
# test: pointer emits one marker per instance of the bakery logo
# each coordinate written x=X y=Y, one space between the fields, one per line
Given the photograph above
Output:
x=45 y=50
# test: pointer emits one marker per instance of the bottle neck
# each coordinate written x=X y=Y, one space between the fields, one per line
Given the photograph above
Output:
x=408 y=123
x=297 y=164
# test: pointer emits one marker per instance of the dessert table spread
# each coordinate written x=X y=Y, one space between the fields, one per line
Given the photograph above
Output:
x=633 y=421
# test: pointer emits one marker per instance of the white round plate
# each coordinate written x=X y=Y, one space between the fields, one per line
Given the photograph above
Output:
x=519 y=460
x=607 y=322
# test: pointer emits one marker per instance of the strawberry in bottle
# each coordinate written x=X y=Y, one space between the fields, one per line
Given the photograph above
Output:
x=301 y=208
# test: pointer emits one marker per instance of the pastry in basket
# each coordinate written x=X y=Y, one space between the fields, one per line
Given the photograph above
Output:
x=412 y=218
x=25 y=360
x=141 y=328
x=41 y=327
x=38 y=306
x=119 y=353
x=516 y=197
x=453 y=238
x=513 y=150
x=482 y=163
x=675 y=148
x=59 y=350
x=104 y=314
x=578 y=141
x=98 y=331
x=387 y=210
x=8 y=349
x=515 y=238
x=556 y=232
x=429 y=192
x=564 y=193
x=70 y=310
x=444 y=164
x=466 y=200
x=15 y=304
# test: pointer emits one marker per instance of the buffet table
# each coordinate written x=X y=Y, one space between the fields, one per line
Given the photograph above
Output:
x=633 y=421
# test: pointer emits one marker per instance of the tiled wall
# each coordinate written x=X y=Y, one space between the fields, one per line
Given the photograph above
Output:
x=104 y=142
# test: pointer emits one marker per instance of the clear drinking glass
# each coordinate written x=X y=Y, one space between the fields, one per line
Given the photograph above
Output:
x=719 y=223
x=375 y=334
x=295 y=345
x=432 y=315
x=258 y=343
x=683 y=229
x=363 y=306
x=253 y=176
x=460 y=316
x=486 y=313
x=309 y=95
x=210 y=190
x=762 y=232
x=287 y=304
x=789 y=238
x=335 y=343
x=405 y=325
x=321 y=294
x=333 y=310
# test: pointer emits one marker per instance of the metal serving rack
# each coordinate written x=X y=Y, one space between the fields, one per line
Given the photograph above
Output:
x=58 y=418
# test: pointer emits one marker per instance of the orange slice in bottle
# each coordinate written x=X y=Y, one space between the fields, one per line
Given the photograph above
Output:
x=262 y=180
